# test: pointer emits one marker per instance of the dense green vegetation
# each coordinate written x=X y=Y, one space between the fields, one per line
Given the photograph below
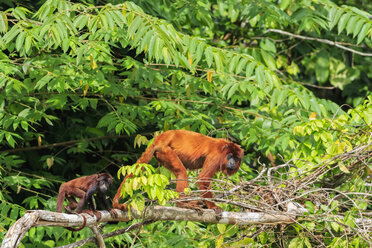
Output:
x=84 y=85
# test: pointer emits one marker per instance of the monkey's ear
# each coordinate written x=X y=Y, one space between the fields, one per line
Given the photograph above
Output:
x=101 y=176
x=225 y=147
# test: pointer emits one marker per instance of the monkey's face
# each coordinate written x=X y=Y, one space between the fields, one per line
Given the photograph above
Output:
x=103 y=186
x=104 y=181
x=232 y=160
x=232 y=164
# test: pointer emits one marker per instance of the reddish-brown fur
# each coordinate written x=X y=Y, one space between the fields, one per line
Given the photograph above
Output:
x=179 y=150
x=84 y=188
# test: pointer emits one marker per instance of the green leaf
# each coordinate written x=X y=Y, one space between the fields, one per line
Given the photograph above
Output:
x=269 y=60
x=296 y=243
x=233 y=63
x=274 y=98
x=199 y=51
x=14 y=31
x=240 y=65
x=264 y=237
x=81 y=21
x=232 y=90
x=342 y=22
x=110 y=20
x=134 y=26
x=3 y=23
x=310 y=206
x=14 y=213
x=268 y=45
x=24 y=113
x=284 y=4
x=351 y=24
x=146 y=40
x=282 y=96
x=20 y=40
x=44 y=11
x=9 y=138
x=18 y=13
x=221 y=228
x=363 y=32
x=43 y=81
x=151 y=50
x=260 y=74
x=335 y=226
x=334 y=16
x=28 y=42
x=322 y=67
x=219 y=63
x=357 y=27
x=250 y=68
x=209 y=55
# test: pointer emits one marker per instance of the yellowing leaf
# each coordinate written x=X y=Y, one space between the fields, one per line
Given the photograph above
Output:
x=190 y=58
x=39 y=140
x=93 y=64
x=312 y=116
x=219 y=242
x=124 y=9
x=187 y=191
x=221 y=228
x=343 y=168
x=188 y=90
x=209 y=76
x=50 y=162
x=86 y=89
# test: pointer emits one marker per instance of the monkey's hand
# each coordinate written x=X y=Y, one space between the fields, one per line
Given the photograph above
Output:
x=93 y=213
x=68 y=210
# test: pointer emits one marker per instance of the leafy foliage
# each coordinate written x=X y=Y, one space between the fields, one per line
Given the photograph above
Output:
x=144 y=180
x=82 y=81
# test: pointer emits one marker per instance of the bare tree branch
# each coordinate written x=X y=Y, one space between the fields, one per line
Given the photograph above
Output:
x=325 y=41
x=154 y=213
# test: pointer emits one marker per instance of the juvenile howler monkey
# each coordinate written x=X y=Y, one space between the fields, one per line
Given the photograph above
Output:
x=84 y=188
x=179 y=150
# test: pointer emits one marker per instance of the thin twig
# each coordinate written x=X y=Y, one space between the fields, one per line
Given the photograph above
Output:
x=325 y=41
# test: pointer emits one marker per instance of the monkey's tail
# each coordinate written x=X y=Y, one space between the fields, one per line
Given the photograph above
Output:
x=79 y=228
x=147 y=154
x=145 y=158
x=61 y=198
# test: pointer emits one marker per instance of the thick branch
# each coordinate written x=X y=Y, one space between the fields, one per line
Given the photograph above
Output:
x=155 y=213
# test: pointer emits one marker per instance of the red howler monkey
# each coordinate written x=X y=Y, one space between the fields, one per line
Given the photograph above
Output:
x=84 y=188
x=179 y=150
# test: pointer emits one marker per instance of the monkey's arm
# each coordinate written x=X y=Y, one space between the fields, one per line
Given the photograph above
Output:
x=85 y=198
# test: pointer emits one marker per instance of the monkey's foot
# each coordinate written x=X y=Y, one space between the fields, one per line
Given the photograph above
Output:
x=195 y=205
x=122 y=207
x=217 y=209
x=113 y=213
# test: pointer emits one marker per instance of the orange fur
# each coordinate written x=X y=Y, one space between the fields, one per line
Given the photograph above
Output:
x=179 y=150
x=84 y=188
